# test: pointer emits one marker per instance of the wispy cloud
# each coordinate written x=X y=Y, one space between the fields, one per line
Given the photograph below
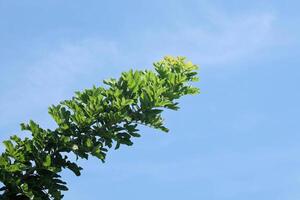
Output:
x=52 y=77
x=228 y=39
x=55 y=74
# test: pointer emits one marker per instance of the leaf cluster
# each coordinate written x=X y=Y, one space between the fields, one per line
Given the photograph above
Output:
x=89 y=124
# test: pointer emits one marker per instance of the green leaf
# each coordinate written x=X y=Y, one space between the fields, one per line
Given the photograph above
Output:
x=16 y=167
x=135 y=134
x=47 y=162
x=3 y=161
x=62 y=187
x=9 y=146
x=89 y=143
x=74 y=168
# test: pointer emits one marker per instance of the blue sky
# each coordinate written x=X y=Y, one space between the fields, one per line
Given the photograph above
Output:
x=238 y=139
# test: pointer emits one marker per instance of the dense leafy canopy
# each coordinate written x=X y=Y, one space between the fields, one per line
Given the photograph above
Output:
x=88 y=125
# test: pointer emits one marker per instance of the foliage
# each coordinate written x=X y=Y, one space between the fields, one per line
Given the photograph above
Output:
x=89 y=124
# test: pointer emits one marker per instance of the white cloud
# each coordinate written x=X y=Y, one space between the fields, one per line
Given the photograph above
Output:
x=53 y=76
x=230 y=39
